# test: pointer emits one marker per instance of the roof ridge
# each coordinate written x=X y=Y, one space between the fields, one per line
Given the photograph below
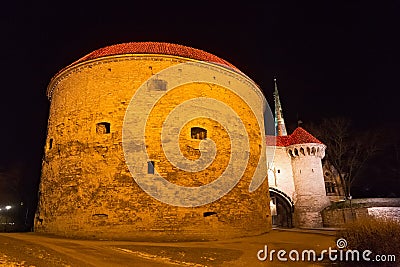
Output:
x=155 y=48
x=298 y=136
x=301 y=136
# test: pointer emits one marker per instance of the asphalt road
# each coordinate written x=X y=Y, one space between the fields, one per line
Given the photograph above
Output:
x=32 y=249
x=35 y=250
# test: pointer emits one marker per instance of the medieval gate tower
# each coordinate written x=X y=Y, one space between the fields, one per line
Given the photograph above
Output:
x=140 y=136
x=295 y=175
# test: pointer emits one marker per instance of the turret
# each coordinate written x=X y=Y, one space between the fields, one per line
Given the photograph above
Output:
x=306 y=153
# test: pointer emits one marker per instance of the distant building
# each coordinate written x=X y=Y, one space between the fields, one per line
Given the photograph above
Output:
x=333 y=184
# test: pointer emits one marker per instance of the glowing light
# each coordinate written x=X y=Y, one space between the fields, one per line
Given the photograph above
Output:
x=8 y=207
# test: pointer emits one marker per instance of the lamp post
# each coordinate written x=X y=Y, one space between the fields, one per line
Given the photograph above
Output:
x=5 y=222
x=351 y=208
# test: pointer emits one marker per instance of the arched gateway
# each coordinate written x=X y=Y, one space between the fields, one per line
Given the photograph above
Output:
x=281 y=209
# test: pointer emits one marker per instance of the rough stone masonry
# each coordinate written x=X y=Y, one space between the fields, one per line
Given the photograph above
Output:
x=87 y=189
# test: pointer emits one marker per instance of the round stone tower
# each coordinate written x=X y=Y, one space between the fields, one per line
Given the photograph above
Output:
x=153 y=141
x=306 y=154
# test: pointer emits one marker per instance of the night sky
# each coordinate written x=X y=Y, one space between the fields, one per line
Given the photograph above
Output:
x=331 y=58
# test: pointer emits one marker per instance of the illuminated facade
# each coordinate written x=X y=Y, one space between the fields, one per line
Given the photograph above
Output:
x=295 y=175
x=87 y=187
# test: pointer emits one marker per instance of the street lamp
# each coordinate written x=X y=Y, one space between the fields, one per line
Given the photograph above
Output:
x=5 y=218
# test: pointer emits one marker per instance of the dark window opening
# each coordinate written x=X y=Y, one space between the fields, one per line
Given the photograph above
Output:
x=330 y=187
x=157 y=84
x=51 y=143
x=103 y=128
x=150 y=167
x=209 y=213
x=279 y=171
x=100 y=215
x=198 y=133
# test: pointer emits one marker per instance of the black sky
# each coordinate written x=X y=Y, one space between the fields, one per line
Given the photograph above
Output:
x=331 y=58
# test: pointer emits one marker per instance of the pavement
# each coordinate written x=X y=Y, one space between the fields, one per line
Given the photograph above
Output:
x=35 y=250
x=322 y=231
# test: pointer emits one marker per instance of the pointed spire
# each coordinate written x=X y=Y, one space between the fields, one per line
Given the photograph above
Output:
x=279 y=121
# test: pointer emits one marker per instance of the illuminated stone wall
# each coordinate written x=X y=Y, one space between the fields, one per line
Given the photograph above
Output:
x=299 y=175
x=86 y=187
x=309 y=184
x=280 y=173
x=344 y=212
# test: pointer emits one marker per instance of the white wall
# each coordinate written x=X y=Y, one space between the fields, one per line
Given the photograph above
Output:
x=280 y=174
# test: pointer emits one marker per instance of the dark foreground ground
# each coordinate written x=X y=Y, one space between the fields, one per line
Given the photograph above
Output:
x=32 y=249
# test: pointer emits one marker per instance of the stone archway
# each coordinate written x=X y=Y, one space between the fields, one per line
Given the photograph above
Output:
x=281 y=209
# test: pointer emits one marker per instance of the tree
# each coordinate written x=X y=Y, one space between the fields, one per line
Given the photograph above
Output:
x=386 y=165
x=347 y=150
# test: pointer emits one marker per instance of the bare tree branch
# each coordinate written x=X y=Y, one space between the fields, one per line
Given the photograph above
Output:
x=347 y=151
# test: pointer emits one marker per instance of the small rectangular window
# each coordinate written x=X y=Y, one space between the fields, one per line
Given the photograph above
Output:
x=330 y=188
x=103 y=128
x=198 y=133
x=150 y=167
x=51 y=143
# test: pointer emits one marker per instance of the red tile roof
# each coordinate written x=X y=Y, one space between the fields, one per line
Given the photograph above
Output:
x=277 y=140
x=299 y=136
x=155 y=48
